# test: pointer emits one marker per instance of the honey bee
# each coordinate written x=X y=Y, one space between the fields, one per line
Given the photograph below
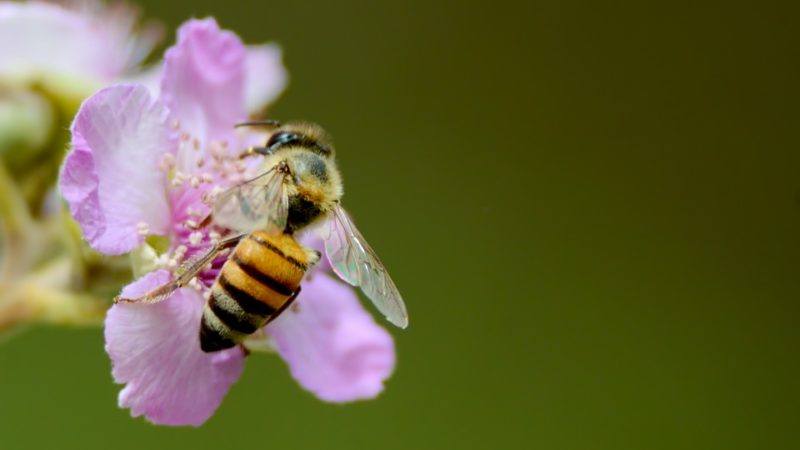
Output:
x=299 y=186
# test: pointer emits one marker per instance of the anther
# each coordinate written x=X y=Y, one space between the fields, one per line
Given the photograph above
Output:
x=167 y=162
x=180 y=251
x=195 y=238
x=143 y=228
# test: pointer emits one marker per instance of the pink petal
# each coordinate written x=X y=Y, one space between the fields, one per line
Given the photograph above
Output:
x=91 y=45
x=266 y=77
x=313 y=239
x=155 y=351
x=203 y=82
x=111 y=178
x=332 y=345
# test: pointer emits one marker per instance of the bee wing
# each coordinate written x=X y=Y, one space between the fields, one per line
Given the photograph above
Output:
x=355 y=262
x=260 y=203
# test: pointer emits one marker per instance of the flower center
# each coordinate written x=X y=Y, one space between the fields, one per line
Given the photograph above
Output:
x=196 y=175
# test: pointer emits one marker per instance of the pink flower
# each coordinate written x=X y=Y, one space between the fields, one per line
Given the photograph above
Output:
x=141 y=165
x=76 y=47
x=81 y=41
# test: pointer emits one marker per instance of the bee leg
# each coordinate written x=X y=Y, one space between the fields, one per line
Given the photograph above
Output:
x=314 y=256
x=252 y=151
x=290 y=302
x=184 y=273
x=204 y=223
x=245 y=350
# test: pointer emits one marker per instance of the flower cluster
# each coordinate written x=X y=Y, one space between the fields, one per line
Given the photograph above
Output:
x=145 y=164
x=52 y=56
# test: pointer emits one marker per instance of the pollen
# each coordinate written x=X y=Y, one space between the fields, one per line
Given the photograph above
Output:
x=180 y=252
x=209 y=197
x=179 y=178
x=162 y=260
x=167 y=162
x=143 y=228
x=194 y=283
x=195 y=238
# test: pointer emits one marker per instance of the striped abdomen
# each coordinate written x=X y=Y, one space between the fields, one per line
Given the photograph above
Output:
x=255 y=285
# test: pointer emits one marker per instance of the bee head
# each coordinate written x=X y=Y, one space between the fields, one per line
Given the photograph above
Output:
x=312 y=174
x=305 y=135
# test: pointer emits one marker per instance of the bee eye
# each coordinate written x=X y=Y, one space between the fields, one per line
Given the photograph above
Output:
x=282 y=138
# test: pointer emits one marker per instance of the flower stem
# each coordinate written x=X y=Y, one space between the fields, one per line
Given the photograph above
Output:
x=44 y=297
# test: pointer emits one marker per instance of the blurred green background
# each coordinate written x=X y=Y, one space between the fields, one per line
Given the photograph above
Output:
x=593 y=212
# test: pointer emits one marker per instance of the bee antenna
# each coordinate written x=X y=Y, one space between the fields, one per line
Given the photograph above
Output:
x=259 y=123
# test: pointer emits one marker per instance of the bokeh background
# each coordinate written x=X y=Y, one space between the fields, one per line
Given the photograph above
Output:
x=593 y=212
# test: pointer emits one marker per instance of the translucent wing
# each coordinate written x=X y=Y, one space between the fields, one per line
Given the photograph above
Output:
x=257 y=204
x=356 y=263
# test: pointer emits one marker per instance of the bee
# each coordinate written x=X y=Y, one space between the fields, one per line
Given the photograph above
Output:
x=299 y=186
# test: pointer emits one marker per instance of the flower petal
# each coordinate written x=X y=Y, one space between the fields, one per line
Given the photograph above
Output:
x=155 y=351
x=266 y=77
x=203 y=82
x=38 y=38
x=111 y=178
x=332 y=345
x=314 y=240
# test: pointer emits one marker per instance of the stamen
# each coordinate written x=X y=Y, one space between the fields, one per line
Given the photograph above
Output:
x=143 y=228
x=195 y=284
x=195 y=238
x=179 y=178
x=162 y=260
x=167 y=162
x=209 y=197
x=180 y=251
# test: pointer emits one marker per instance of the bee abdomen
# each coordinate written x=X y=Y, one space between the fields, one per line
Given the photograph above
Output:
x=254 y=286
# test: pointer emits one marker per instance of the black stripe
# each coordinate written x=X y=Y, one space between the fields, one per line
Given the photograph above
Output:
x=262 y=278
x=248 y=303
x=211 y=340
x=231 y=319
x=285 y=305
x=277 y=251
